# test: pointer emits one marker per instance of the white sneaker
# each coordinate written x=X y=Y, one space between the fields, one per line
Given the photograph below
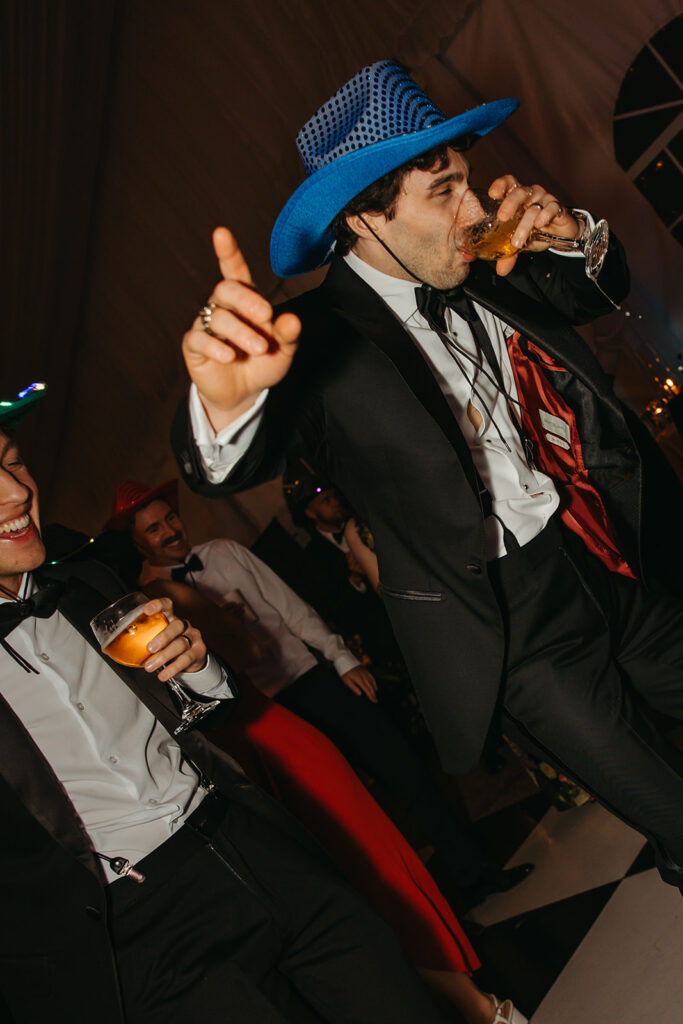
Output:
x=506 y=1013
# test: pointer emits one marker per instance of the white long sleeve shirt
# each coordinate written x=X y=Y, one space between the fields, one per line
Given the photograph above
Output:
x=284 y=625
x=120 y=768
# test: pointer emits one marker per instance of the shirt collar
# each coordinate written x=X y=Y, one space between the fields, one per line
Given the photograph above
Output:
x=161 y=572
x=26 y=588
x=398 y=293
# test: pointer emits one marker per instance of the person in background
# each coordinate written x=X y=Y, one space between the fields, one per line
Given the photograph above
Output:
x=341 y=594
x=338 y=695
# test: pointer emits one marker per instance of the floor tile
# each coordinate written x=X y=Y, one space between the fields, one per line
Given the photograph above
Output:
x=645 y=861
x=573 y=850
x=629 y=968
x=503 y=832
x=523 y=956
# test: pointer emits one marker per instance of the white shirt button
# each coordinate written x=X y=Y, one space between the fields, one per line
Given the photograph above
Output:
x=81 y=707
x=45 y=657
x=152 y=802
x=113 y=759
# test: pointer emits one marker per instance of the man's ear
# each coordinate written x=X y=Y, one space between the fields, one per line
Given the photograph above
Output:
x=358 y=223
x=310 y=514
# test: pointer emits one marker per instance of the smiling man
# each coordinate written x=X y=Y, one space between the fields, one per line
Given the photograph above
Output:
x=142 y=877
x=21 y=546
x=470 y=428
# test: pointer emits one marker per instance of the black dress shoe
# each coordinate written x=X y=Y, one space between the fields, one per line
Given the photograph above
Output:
x=496 y=880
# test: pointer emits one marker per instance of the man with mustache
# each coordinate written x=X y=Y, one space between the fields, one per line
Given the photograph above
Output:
x=337 y=694
x=470 y=428
x=142 y=877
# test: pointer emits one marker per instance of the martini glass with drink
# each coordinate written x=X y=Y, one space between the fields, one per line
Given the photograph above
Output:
x=123 y=631
x=480 y=233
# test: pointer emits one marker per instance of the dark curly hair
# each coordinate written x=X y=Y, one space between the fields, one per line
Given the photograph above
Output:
x=382 y=195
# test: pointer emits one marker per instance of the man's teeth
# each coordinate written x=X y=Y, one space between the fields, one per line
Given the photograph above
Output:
x=14 y=525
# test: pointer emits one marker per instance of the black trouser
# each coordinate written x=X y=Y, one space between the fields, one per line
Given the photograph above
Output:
x=586 y=649
x=369 y=739
x=249 y=926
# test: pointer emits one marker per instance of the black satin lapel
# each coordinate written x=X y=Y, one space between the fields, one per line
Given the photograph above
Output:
x=361 y=307
x=538 y=322
x=79 y=604
x=28 y=773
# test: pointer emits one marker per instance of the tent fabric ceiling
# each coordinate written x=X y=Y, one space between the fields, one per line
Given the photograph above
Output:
x=132 y=129
x=147 y=124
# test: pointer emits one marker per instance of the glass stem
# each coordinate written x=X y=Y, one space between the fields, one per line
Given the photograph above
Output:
x=184 y=702
x=559 y=241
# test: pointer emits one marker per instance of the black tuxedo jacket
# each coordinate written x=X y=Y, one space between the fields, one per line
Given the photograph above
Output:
x=361 y=403
x=56 y=958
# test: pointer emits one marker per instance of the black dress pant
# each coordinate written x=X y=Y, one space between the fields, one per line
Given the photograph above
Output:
x=369 y=739
x=588 y=651
x=248 y=925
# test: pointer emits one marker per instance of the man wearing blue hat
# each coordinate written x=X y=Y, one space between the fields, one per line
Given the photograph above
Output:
x=471 y=429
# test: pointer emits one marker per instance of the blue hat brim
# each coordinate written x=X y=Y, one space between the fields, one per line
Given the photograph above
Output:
x=302 y=239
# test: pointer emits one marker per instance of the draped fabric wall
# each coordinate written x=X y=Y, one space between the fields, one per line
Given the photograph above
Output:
x=195 y=128
x=56 y=68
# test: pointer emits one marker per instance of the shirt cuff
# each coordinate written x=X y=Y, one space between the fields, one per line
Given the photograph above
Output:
x=209 y=681
x=221 y=451
x=344 y=662
x=576 y=254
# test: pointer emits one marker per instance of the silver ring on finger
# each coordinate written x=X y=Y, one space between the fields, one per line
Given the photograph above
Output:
x=205 y=314
x=185 y=637
x=539 y=205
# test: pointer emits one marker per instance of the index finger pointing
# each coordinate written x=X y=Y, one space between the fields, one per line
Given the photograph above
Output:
x=232 y=263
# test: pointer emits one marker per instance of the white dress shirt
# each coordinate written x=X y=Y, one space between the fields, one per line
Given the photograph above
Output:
x=283 y=625
x=524 y=499
x=120 y=768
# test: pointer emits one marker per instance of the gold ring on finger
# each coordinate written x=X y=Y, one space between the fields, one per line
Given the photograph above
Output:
x=539 y=205
x=185 y=637
x=205 y=314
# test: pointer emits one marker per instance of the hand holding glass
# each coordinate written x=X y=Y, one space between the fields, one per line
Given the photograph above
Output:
x=479 y=233
x=123 y=631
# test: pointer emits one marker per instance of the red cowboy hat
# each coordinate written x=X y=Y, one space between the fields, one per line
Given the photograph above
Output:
x=131 y=495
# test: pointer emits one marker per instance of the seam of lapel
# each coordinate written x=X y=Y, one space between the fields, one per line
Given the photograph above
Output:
x=408 y=354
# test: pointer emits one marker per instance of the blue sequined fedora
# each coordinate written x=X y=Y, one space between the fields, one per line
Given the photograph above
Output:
x=377 y=121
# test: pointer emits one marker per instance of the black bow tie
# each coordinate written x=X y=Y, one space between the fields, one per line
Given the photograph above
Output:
x=432 y=303
x=42 y=604
x=193 y=564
